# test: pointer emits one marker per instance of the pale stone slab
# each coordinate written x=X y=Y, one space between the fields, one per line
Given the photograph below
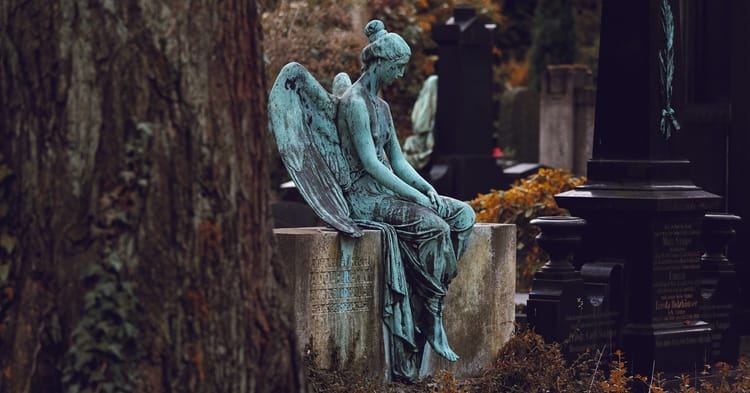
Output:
x=566 y=118
x=338 y=300
x=480 y=306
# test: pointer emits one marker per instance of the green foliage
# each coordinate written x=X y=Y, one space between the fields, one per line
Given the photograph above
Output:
x=104 y=351
x=553 y=38
x=588 y=15
x=515 y=32
x=526 y=200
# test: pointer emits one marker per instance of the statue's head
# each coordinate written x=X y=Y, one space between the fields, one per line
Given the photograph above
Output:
x=386 y=50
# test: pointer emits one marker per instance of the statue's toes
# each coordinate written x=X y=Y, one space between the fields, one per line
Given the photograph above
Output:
x=450 y=355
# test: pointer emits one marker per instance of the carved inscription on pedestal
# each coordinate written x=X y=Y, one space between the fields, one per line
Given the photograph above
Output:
x=676 y=267
x=335 y=289
x=593 y=331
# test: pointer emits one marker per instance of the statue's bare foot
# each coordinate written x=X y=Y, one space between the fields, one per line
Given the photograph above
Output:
x=437 y=338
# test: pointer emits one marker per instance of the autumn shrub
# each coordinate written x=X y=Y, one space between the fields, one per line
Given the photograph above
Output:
x=317 y=34
x=527 y=199
x=528 y=364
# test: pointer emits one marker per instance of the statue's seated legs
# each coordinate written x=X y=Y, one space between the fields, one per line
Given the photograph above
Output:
x=431 y=243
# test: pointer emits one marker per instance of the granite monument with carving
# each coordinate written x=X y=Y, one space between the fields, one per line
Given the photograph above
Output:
x=343 y=154
x=641 y=207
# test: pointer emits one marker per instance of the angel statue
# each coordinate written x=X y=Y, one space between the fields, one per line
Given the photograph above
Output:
x=342 y=152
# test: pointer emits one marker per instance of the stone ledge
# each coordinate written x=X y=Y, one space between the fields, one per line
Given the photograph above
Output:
x=338 y=300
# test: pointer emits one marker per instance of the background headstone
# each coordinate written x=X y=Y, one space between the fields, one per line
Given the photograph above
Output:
x=463 y=162
x=518 y=126
x=715 y=114
x=566 y=117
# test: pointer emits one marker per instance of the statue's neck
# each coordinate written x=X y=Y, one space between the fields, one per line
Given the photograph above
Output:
x=369 y=83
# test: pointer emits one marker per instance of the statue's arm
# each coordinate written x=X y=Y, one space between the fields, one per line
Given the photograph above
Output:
x=400 y=165
x=357 y=121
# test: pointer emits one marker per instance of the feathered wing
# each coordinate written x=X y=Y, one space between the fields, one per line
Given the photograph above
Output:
x=301 y=117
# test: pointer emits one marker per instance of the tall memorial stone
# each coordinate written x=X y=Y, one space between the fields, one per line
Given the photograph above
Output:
x=640 y=203
x=463 y=162
x=566 y=117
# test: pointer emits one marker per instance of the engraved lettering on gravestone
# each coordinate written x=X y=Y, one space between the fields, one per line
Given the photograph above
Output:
x=335 y=289
x=719 y=320
x=591 y=331
x=682 y=341
x=676 y=267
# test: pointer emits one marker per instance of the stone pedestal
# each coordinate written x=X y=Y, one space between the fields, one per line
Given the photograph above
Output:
x=654 y=226
x=720 y=292
x=480 y=306
x=337 y=297
x=338 y=300
x=557 y=288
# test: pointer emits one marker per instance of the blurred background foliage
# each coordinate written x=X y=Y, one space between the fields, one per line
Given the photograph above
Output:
x=525 y=200
x=326 y=37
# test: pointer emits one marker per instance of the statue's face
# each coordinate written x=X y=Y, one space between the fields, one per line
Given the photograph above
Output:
x=390 y=70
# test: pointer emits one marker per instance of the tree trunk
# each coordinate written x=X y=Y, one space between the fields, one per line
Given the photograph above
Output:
x=135 y=234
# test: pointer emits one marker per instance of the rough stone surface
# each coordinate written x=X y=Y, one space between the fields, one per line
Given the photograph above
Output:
x=480 y=306
x=566 y=118
x=338 y=300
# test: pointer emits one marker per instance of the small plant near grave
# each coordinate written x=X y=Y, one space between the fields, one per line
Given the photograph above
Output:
x=527 y=364
x=527 y=199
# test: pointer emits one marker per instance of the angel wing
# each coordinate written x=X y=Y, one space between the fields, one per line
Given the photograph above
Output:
x=301 y=117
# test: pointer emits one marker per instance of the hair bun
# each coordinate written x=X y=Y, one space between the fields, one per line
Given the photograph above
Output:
x=375 y=29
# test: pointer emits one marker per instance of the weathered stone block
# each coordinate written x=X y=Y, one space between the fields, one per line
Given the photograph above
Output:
x=480 y=306
x=566 y=117
x=338 y=299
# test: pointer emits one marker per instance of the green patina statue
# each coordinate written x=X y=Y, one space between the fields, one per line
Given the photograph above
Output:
x=342 y=151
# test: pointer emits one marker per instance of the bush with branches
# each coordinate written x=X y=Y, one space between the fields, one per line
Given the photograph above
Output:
x=526 y=200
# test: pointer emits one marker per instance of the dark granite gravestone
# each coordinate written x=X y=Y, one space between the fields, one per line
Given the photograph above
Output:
x=578 y=307
x=557 y=288
x=720 y=295
x=463 y=162
x=639 y=202
x=715 y=107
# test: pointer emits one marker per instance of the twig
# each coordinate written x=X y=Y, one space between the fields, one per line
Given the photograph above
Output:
x=591 y=385
x=653 y=366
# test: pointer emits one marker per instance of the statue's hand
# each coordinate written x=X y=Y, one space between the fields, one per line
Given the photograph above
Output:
x=435 y=201
x=423 y=200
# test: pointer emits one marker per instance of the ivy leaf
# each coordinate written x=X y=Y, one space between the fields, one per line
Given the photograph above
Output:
x=4 y=272
x=5 y=172
x=108 y=387
x=82 y=359
x=7 y=242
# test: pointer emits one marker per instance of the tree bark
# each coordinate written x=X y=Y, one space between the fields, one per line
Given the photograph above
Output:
x=137 y=235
